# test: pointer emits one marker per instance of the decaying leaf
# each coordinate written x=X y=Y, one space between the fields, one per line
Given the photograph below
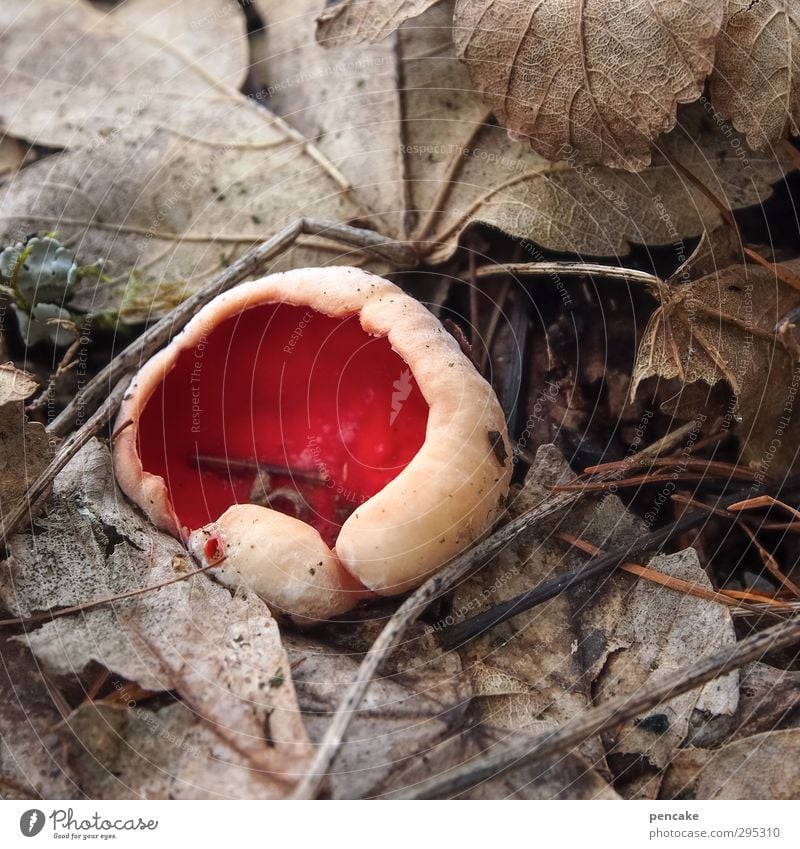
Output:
x=769 y=699
x=89 y=75
x=32 y=761
x=755 y=767
x=429 y=146
x=221 y=654
x=13 y=153
x=25 y=447
x=15 y=385
x=756 y=79
x=568 y=776
x=632 y=631
x=134 y=752
x=721 y=328
x=527 y=674
x=356 y=21
x=410 y=710
x=598 y=80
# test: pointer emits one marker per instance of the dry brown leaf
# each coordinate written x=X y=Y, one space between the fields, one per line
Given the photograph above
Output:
x=356 y=21
x=756 y=79
x=568 y=776
x=412 y=708
x=527 y=674
x=222 y=654
x=15 y=385
x=402 y=121
x=157 y=753
x=633 y=631
x=764 y=766
x=720 y=328
x=32 y=762
x=769 y=699
x=88 y=74
x=25 y=447
x=599 y=80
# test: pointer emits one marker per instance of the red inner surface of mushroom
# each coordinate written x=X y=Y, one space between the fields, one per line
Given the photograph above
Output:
x=286 y=407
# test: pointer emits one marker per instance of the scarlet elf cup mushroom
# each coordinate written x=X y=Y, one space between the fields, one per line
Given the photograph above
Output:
x=317 y=436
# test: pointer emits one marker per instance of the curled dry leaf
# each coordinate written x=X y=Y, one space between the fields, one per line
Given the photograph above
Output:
x=756 y=79
x=355 y=21
x=221 y=654
x=721 y=328
x=25 y=447
x=87 y=75
x=598 y=80
x=755 y=767
x=769 y=699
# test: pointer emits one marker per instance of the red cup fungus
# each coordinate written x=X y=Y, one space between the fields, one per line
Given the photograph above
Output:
x=318 y=437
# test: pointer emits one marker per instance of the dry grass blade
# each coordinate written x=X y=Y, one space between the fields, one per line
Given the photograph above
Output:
x=527 y=749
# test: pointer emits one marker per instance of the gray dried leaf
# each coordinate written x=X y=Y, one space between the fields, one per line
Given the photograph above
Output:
x=222 y=654
x=356 y=21
x=756 y=79
x=595 y=80
x=92 y=74
x=764 y=766
x=569 y=776
x=165 y=753
x=409 y=710
x=32 y=762
x=720 y=328
x=633 y=631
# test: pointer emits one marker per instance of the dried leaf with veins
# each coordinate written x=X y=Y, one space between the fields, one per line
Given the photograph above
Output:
x=164 y=753
x=764 y=766
x=600 y=79
x=355 y=21
x=405 y=715
x=429 y=161
x=720 y=328
x=25 y=447
x=756 y=79
x=32 y=761
x=221 y=654
x=88 y=74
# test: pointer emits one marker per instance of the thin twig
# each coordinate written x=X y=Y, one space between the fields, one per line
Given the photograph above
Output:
x=47 y=615
x=67 y=450
x=394 y=629
x=567 y=269
x=161 y=332
x=524 y=749
x=470 y=628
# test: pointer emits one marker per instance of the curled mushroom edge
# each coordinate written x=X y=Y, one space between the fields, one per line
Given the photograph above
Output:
x=317 y=436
